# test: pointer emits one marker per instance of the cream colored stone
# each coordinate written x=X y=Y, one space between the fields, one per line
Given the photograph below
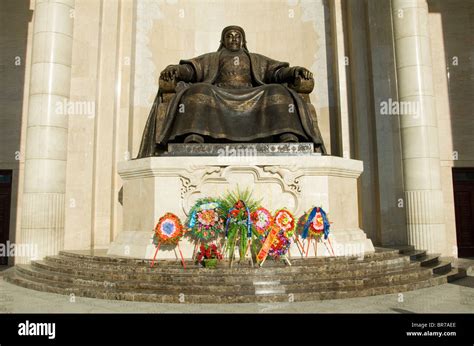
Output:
x=48 y=110
x=434 y=174
x=171 y=184
x=46 y=142
x=450 y=33
x=44 y=73
x=45 y=166
x=425 y=108
x=69 y=3
x=342 y=95
x=44 y=175
x=410 y=4
x=385 y=186
x=105 y=155
x=420 y=141
x=410 y=21
x=416 y=44
x=416 y=169
x=52 y=47
x=54 y=17
x=81 y=184
x=414 y=81
x=420 y=160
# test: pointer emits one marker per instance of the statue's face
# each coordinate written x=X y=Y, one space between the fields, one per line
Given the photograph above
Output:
x=233 y=40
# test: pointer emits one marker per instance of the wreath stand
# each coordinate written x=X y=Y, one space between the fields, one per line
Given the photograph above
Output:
x=196 y=247
x=332 y=250
x=298 y=245
x=248 y=250
x=158 y=248
x=315 y=244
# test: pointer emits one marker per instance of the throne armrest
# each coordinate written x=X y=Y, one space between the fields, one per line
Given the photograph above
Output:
x=302 y=86
x=168 y=86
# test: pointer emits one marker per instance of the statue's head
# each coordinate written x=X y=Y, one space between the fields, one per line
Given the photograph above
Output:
x=233 y=38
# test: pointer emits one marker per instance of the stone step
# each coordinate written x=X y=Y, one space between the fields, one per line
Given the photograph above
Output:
x=167 y=267
x=296 y=261
x=66 y=281
x=98 y=276
x=429 y=260
x=221 y=285
x=415 y=254
x=402 y=249
x=464 y=263
x=14 y=278
x=236 y=290
x=270 y=263
x=440 y=267
x=184 y=275
x=236 y=272
x=456 y=274
x=2 y=269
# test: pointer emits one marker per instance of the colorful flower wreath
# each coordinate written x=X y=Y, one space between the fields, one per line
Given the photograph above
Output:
x=262 y=220
x=280 y=245
x=168 y=230
x=206 y=219
x=314 y=223
x=285 y=222
x=239 y=215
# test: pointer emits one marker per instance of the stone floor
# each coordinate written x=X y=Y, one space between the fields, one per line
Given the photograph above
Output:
x=457 y=297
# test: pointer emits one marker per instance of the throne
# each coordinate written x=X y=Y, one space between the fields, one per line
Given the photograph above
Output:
x=167 y=90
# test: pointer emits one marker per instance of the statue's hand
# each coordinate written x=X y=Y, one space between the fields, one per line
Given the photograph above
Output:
x=169 y=73
x=302 y=72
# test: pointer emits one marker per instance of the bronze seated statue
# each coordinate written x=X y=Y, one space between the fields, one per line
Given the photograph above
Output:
x=231 y=95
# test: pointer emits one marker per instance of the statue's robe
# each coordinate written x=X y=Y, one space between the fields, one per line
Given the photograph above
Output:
x=253 y=113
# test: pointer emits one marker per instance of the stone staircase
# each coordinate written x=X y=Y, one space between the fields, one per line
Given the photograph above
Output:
x=99 y=276
x=433 y=262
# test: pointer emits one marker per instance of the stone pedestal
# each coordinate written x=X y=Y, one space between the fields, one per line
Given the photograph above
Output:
x=156 y=185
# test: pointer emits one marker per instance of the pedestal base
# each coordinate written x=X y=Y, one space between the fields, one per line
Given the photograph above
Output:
x=156 y=185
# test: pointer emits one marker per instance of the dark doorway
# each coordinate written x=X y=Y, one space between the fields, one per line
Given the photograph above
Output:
x=5 y=205
x=463 y=183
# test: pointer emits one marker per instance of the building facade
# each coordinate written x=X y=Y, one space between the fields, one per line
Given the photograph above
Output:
x=394 y=81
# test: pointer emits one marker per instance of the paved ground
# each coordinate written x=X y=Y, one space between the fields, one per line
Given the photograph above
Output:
x=457 y=297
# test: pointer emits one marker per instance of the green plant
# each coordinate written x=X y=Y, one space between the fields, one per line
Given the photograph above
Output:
x=239 y=204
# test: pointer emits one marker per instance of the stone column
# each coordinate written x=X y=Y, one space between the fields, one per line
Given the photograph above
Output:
x=418 y=126
x=42 y=222
x=340 y=69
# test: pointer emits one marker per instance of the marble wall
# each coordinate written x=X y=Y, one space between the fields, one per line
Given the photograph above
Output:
x=452 y=49
x=376 y=136
x=99 y=128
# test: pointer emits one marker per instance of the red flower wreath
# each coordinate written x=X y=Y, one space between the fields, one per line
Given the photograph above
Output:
x=285 y=221
x=168 y=230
